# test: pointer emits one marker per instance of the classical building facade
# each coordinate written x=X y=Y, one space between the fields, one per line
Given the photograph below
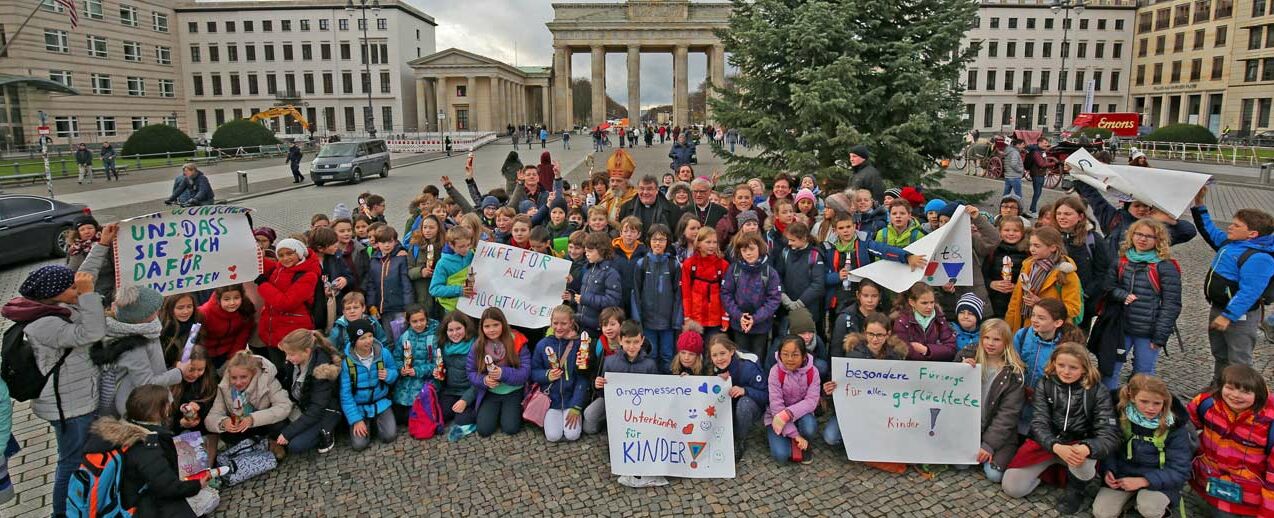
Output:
x=116 y=72
x=243 y=57
x=1183 y=63
x=1017 y=76
x=1248 y=106
x=477 y=93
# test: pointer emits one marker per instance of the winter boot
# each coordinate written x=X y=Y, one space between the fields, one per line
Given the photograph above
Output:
x=1073 y=496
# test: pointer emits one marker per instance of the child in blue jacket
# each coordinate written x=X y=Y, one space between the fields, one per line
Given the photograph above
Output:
x=353 y=307
x=749 y=394
x=447 y=284
x=553 y=367
x=600 y=286
x=388 y=285
x=968 y=321
x=367 y=373
x=656 y=297
x=1155 y=461
x=421 y=338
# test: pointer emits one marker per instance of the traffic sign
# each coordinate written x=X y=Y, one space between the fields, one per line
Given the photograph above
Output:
x=43 y=131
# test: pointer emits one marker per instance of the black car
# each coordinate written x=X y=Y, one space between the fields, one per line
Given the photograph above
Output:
x=35 y=227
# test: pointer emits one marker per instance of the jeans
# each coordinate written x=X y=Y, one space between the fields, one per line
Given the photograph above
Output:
x=503 y=411
x=71 y=435
x=1235 y=344
x=386 y=430
x=831 y=432
x=663 y=347
x=1037 y=189
x=1013 y=185
x=594 y=416
x=108 y=165
x=446 y=401
x=781 y=447
x=992 y=474
x=1019 y=482
x=1143 y=360
x=309 y=439
x=746 y=414
x=556 y=429
x=296 y=170
x=566 y=143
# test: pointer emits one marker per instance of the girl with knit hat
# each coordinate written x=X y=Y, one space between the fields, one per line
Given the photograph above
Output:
x=968 y=320
x=87 y=232
x=689 y=359
x=287 y=290
x=131 y=355
x=807 y=207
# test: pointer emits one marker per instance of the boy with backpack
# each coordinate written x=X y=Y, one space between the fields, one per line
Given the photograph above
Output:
x=803 y=272
x=388 y=286
x=1238 y=284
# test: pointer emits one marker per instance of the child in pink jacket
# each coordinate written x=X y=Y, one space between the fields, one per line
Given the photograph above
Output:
x=794 y=387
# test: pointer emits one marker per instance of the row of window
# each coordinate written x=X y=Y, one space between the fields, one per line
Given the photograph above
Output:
x=1179 y=16
x=102 y=84
x=234 y=86
x=342 y=24
x=379 y=52
x=1028 y=84
x=1010 y=49
x=328 y=123
x=1262 y=108
x=1255 y=41
x=1255 y=70
x=68 y=126
x=128 y=15
x=56 y=40
x=1020 y=115
x=1179 y=41
x=1196 y=71
x=1029 y=23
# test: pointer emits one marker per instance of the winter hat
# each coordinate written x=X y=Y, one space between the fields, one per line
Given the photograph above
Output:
x=293 y=245
x=935 y=205
x=800 y=321
x=86 y=220
x=342 y=211
x=839 y=202
x=690 y=341
x=746 y=216
x=1135 y=154
x=913 y=196
x=490 y=201
x=135 y=304
x=949 y=210
x=47 y=282
x=804 y=194
x=895 y=192
x=525 y=206
x=265 y=232
x=1013 y=197
x=357 y=329
x=972 y=303
x=861 y=151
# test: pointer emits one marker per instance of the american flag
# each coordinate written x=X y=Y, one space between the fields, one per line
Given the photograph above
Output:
x=69 y=5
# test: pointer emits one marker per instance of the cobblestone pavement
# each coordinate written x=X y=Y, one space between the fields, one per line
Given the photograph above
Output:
x=524 y=474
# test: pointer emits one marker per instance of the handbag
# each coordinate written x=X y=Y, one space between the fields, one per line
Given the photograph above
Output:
x=535 y=406
x=247 y=459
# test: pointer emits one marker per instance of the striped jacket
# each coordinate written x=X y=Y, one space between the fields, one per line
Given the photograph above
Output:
x=1234 y=448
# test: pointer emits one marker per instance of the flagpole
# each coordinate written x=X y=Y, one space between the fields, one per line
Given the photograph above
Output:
x=20 y=27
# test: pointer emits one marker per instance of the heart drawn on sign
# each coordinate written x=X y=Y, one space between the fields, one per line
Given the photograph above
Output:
x=234 y=274
x=688 y=429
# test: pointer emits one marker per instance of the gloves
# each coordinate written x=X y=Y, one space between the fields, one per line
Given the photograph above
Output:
x=796 y=304
x=787 y=302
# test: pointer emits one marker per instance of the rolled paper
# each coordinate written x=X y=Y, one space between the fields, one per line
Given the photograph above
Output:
x=190 y=342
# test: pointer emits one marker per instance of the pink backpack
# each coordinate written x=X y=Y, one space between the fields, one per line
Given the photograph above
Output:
x=425 y=419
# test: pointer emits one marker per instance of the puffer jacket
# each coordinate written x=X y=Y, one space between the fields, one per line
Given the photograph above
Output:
x=1057 y=285
x=1092 y=262
x=388 y=285
x=1137 y=456
x=1070 y=413
x=600 y=288
x=1034 y=351
x=965 y=338
x=1001 y=410
x=797 y=393
x=1238 y=290
x=363 y=394
x=804 y=277
x=870 y=222
x=701 y=278
x=1233 y=447
x=223 y=333
x=568 y=392
x=848 y=321
x=656 y=297
x=1154 y=314
x=447 y=284
x=422 y=360
x=751 y=288
x=137 y=366
x=454 y=355
x=937 y=337
x=318 y=395
x=747 y=374
x=287 y=295
x=264 y=399
x=150 y=482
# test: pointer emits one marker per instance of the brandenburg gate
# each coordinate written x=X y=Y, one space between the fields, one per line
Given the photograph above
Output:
x=675 y=26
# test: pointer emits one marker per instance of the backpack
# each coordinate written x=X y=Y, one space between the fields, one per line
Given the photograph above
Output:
x=1267 y=296
x=425 y=418
x=1159 y=441
x=318 y=304
x=20 y=371
x=1153 y=273
x=353 y=370
x=93 y=490
x=809 y=376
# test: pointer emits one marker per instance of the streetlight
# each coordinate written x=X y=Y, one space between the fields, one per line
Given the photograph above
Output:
x=1068 y=5
x=363 y=6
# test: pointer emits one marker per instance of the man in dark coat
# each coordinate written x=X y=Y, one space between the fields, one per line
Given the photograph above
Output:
x=294 y=161
x=866 y=176
x=650 y=207
x=191 y=188
x=701 y=205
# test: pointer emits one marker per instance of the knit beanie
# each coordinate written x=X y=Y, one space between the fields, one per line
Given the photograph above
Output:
x=525 y=206
x=800 y=321
x=357 y=329
x=47 y=282
x=293 y=245
x=840 y=203
x=265 y=232
x=342 y=211
x=972 y=303
x=935 y=205
x=861 y=151
x=949 y=210
x=86 y=220
x=804 y=194
x=894 y=192
x=135 y=304
x=690 y=341
x=490 y=202
x=746 y=216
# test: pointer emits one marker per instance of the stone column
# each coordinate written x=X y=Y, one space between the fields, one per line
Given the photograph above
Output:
x=716 y=74
x=599 y=84
x=443 y=105
x=634 y=84
x=471 y=96
x=422 y=105
x=561 y=89
x=680 y=87
x=544 y=108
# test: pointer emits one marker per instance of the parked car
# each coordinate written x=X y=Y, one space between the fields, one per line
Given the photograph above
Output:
x=350 y=161
x=35 y=227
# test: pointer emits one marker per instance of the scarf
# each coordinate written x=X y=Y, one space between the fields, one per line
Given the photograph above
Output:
x=899 y=239
x=1039 y=271
x=780 y=226
x=923 y=320
x=1136 y=417
x=117 y=329
x=1149 y=256
x=82 y=246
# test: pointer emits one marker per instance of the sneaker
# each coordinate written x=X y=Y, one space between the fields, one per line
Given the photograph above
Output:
x=278 y=450
x=458 y=432
x=327 y=441
x=807 y=455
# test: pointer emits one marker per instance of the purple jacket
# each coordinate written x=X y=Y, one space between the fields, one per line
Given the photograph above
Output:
x=515 y=376
x=798 y=393
x=757 y=291
x=938 y=337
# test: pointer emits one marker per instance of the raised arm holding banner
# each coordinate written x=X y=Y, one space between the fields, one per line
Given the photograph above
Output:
x=187 y=249
x=950 y=253
x=526 y=285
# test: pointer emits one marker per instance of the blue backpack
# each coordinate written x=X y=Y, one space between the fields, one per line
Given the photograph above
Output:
x=93 y=490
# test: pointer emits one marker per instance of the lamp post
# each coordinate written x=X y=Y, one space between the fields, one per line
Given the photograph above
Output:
x=363 y=6
x=1067 y=5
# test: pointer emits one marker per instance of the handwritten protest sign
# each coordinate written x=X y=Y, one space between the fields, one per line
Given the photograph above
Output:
x=906 y=411
x=526 y=285
x=187 y=249
x=1168 y=190
x=678 y=426
x=950 y=253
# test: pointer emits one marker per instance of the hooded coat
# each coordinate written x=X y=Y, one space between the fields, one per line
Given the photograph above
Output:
x=363 y=394
x=1242 y=285
x=938 y=337
x=1139 y=457
x=797 y=393
x=137 y=366
x=569 y=391
x=286 y=295
x=751 y=288
x=1057 y=285
x=600 y=288
x=150 y=482
x=317 y=394
x=264 y=399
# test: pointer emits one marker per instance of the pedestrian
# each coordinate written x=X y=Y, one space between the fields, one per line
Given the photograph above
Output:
x=1155 y=461
x=866 y=176
x=544 y=138
x=498 y=367
x=294 y=161
x=566 y=139
x=446 y=144
x=368 y=373
x=191 y=188
x=1037 y=164
x=1234 y=420
x=514 y=135
x=794 y=393
x=1001 y=372
x=287 y=291
x=84 y=161
x=108 y=161
x=1013 y=168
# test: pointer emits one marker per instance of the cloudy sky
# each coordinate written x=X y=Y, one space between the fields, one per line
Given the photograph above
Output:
x=513 y=31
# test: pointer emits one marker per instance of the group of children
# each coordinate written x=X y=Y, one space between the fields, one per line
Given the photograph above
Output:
x=355 y=320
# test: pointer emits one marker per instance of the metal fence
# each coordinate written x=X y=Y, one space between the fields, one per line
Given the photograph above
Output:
x=1233 y=154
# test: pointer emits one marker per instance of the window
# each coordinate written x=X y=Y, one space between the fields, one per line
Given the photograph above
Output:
x=1079 y=80
x=1224 y=8
x=971 y=80
x=269 y=52
x=212 y=27
x=1026 y=79
x=1175 y=77
x=170 y=120
x=1221 y=33
x=214 y=53
x=67 y=126
x=101 y=84
x=60 y=76
x=1117 y=50
x=128 y=15
x=271 y=84
x=1097 y=81
x=307 y=80
x=382 y=24
x=1181 y=15
x=1179 y=42
x=1047 y=51
x=1263 y=110
x=289 y=83
x=342 y=24
x=1161 y=43
x=1218 y=67
x=1061 y=81
x=1082 y=52
x=230 y=26
x=216 y=84
x=305 y=25
x=1119 y=25
x=325 y=24
x=249 y=52
x=347 y=83
x=267 y=25
x=385 y=83
x=238 y=113
x=345 y=50
x=328 y=84
x=990 y=81
x=220 y=116
x=158 y=22
x=252 y=85
x=1114 y=81
x=1162 y=18
x=988 y=114
x=387 y=118
x=196 y=83
x=1012 y=23
x=234 y=85
x=1157 y=75
x=1083 y=24
x=232 y=53
x=1258 y=8
x=366 y=80
x=194 y=54
x=1028 y=49
x=285 y=25
x=132 y=51
x=138 y=123
x=1267 y=69
x=349 y=117
x=995 y=22
x=192 y=27
x=1101 y=24
x=136 y=86
x=1198 y=39
x=1042 y=118
x=1196 y=69
x=1030 y=23
x=1140 y=78
x=993 y=49
x=247 y=26
x=201 y=121
x=1048 y=23
x=1269 y=36
x=329 y=118
x=307 y=51
x=462 y=90
x=1254 y=38
x=1099 y=50
x=92 y=9
x=1250 y=73
x=1044 y=80
x=287 y=52
x=1006 y=114
x=97 y=46
x=1066 y=49
x=1202 y=10
x=167 y=88
x=325 y=51
x=1010 y=49
x=1008 y=80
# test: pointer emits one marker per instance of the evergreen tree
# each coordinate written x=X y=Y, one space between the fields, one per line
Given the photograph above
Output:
x=817 y=77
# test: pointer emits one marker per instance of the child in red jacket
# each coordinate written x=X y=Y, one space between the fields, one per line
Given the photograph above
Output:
x=701 y=277
x=287 y=292
x=228 y=318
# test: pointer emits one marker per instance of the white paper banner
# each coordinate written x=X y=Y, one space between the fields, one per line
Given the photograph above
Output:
x=1166 y=189
x=907 y=411
x=950 y=253
x=187 y=249
x=526 y=285
x=678 y=426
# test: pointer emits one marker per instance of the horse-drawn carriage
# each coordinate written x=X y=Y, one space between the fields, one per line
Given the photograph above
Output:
x=987 y=159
